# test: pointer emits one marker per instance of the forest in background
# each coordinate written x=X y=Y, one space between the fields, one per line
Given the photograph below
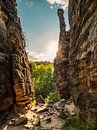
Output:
x=43 y=81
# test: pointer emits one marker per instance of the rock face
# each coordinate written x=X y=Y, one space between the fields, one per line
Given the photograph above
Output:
x=83 y=56
x=61 y=61
x=15 y=76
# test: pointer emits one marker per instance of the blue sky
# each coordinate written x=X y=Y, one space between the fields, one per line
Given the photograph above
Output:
x=40 y=25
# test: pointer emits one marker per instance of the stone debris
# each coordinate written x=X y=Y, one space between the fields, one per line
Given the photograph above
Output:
x=37 y=122
x=47 y=119
x=43 y=108
x=19 y=121
x=64 y=114
x=44 y=119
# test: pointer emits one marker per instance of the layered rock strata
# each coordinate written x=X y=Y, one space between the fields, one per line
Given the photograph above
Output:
x=83 y=56
x=61 y=61
x=15 y=76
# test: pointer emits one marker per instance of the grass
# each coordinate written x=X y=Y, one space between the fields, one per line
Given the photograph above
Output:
x=39 y=128
x=78 y=124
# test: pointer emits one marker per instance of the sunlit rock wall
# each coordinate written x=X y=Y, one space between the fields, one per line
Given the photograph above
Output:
x=15 y=76
x=61 y=61
x=83 y=56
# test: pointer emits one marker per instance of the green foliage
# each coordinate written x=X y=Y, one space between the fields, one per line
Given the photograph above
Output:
x=33 y=103
x=52 y=97
x=39 y=128
x=78 y=124
x=42 y=77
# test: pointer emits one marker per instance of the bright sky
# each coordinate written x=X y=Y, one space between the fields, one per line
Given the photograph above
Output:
x=41 y=26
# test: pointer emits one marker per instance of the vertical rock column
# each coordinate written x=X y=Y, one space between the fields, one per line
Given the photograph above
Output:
x=61 y=62
x=19 y=70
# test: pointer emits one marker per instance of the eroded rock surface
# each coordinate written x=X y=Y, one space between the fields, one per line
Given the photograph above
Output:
x=83 y=56
x=15 y=77
x=61 y=62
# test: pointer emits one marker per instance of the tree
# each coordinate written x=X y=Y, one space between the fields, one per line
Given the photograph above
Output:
x=42 y=77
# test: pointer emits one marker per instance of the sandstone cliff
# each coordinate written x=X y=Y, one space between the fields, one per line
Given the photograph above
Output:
x=83 y=56
x=61 y=62
x=76 y=60
x=15 y=76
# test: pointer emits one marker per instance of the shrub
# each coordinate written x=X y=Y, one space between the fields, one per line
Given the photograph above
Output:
x=52 y=97
x=42 y=77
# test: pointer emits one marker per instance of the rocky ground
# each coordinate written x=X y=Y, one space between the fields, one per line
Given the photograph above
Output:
x=47 y=116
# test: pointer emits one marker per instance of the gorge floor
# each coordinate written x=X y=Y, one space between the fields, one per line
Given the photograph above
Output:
x=47 y=116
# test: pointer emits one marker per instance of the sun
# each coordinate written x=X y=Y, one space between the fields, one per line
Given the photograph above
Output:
x=52 y=49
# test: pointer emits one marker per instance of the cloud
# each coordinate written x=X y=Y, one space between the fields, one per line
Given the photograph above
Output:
x=28 y=3
x=34 y=56
x=51 y=7
x=63 y=3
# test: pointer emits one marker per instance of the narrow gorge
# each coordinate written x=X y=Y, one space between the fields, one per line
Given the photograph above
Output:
x=75 y=64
